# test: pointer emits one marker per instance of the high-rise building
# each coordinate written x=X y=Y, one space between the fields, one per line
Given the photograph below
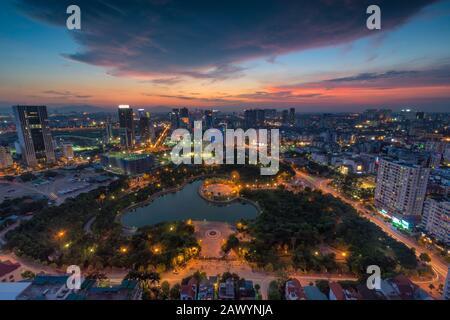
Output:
x=446 y=294
x=436 y=218
x=292 y=116
x=209 y=119
x=401 y=188
x=420 y=115
x=175 y=118
x=270 y=113
x=255 y=118
x=184 y=118
x=250 y=118
x=126 y=124
x=108 y=130
x=34 y=134
x=144 y=125
x=6 y=160
x=184 y=113
x=68 y=151
x=260 y=117
x=284 y=116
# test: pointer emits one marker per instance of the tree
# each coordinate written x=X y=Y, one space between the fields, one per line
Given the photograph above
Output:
x=165 y=290
x=28 y=275
x=274 y=291
x=424 y=257
x=174 y=293
x=232 y=243
x=145 y=278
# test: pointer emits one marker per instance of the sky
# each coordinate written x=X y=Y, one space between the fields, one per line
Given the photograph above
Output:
x=231 y=55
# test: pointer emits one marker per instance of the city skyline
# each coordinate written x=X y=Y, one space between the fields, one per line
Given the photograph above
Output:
x=227 y=56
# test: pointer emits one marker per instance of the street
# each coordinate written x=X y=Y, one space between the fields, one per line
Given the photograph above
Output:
x=438 y=265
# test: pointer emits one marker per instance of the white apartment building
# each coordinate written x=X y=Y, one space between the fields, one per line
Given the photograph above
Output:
x=446 y=294
x=401 y=188
x=436 y=218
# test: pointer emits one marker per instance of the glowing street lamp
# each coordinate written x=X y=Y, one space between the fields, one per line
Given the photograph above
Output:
x=61 y=234
x=123 y=249
x=156 y=250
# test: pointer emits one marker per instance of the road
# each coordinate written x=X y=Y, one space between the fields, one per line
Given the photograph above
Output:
x=438 y=265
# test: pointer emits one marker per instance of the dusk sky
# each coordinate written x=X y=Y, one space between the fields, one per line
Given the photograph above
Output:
x=312 y=55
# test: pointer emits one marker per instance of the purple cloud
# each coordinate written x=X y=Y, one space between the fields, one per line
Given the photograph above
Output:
x=208 y=39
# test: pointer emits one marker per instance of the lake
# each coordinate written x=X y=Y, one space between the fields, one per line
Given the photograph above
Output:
x=187 y=204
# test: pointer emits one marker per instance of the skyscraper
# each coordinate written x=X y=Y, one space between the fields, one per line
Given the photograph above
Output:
x=108 y=130
x=209 y=119
x=126 y=124
x=175 y=118
x=401 y=188
x=292 y=116
x=250 y=118
x=144 y=125
x=67 y=149
x=260 y=117
x=34 y=134
x=284 y=116
x=184 y=118
x=184 y=113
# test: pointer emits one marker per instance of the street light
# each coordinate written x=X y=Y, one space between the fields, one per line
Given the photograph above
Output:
x=123 y=249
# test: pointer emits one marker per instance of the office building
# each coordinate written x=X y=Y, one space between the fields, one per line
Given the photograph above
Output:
x=108 y=130
x=446 y=294
x=6 y=160
x=175 y=118
x=401 y=188
x=144 y=126
x=128 y=163
x=250 y=118
x=68 y=151
x=209 y=119
x=284 y=116
x=436 y=218
x=292 y=116
x=34 y=134
x=184 y=119
x=255 y=118
x=126 y=124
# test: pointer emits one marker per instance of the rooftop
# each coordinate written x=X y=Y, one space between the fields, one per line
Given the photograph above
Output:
x=10 y=290
x=313 y=293
x=7 y=267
